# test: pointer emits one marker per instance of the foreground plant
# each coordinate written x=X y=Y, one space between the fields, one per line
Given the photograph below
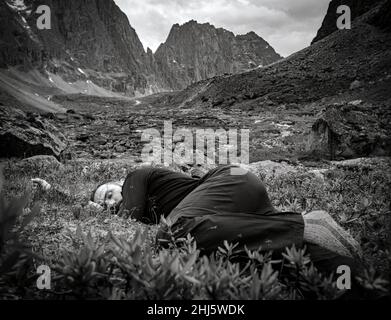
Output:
x=16 y=257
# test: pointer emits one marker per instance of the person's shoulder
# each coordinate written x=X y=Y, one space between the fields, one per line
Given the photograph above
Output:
x=137 y=173
x=145 y=171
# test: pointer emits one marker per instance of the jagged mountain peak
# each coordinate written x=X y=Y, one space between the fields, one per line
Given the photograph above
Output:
x=197 y=51
x=195 y=26
x=92 y=42
x=89 y=40
x=354 y=62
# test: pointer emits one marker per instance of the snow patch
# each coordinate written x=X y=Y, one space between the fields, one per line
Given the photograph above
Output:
x=285 y=126
x=81 y=71
x=17 y=5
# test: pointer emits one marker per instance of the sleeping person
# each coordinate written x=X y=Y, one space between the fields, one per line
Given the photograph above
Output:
x=221 y=206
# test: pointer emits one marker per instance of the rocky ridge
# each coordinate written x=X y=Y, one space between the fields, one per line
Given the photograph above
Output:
x=87 y=40
x=350 y=69
x=358 y=8
x=91 y=47
x=195 y=52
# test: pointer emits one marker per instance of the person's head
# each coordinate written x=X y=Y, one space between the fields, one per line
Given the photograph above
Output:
x=108 y=195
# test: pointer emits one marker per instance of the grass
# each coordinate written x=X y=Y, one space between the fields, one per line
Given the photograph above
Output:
x=357 y=196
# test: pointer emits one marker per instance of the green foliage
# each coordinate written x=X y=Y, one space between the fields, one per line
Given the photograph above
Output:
x=129 y=265
x=85 y=271
x=15 y=256
x=136 y=270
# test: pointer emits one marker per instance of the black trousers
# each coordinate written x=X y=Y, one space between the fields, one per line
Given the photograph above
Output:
x=237 y=208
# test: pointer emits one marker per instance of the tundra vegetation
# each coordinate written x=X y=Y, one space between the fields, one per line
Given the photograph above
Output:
x=94 y=255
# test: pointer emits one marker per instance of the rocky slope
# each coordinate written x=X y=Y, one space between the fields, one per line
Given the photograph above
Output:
x=195 y=52
x=330 y=100
x=358 y=59
x=92 y=49
x=329 y=25
x=88 y=40
x=345 y=68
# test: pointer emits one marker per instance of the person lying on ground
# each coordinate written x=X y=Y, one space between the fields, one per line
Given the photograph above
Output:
x=221 y=206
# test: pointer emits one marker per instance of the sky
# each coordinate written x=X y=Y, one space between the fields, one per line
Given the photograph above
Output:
x=288 y=25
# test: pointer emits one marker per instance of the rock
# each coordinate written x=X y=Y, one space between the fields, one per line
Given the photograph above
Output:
x=61 y=116
x=120 y=149
x=355 y=102
x=269 y=168
x=355 y=85
x=25 y=135
x=44 y=162
x=345 y=132
x=382 y=19
x=83 y=137
x=362 y=162
x=41 y=184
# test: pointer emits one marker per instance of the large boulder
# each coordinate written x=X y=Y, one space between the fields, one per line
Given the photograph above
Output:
x=24 y=135
x=41 y=162
x=348 y=131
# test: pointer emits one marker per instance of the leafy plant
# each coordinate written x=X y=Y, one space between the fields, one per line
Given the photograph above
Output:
x=15 y=256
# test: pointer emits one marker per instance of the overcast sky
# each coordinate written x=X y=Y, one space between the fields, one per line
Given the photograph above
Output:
x=288 y=25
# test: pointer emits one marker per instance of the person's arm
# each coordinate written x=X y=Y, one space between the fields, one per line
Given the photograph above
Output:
x=135 y=194
x=46 y=188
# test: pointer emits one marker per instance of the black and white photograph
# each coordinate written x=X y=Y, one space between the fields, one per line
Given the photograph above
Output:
x=195 y=154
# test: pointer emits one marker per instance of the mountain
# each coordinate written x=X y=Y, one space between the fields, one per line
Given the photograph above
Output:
x=326 y=68
x=89 y=41
x=92 y=49
x=195 y=52
x=357 y=7
x=348 y=71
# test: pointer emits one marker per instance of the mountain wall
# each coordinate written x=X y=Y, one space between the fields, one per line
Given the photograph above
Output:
x=195 y=52
x=90 y=39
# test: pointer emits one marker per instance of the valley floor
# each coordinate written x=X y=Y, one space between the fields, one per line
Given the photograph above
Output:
x=105 y=143
x=355 y=192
